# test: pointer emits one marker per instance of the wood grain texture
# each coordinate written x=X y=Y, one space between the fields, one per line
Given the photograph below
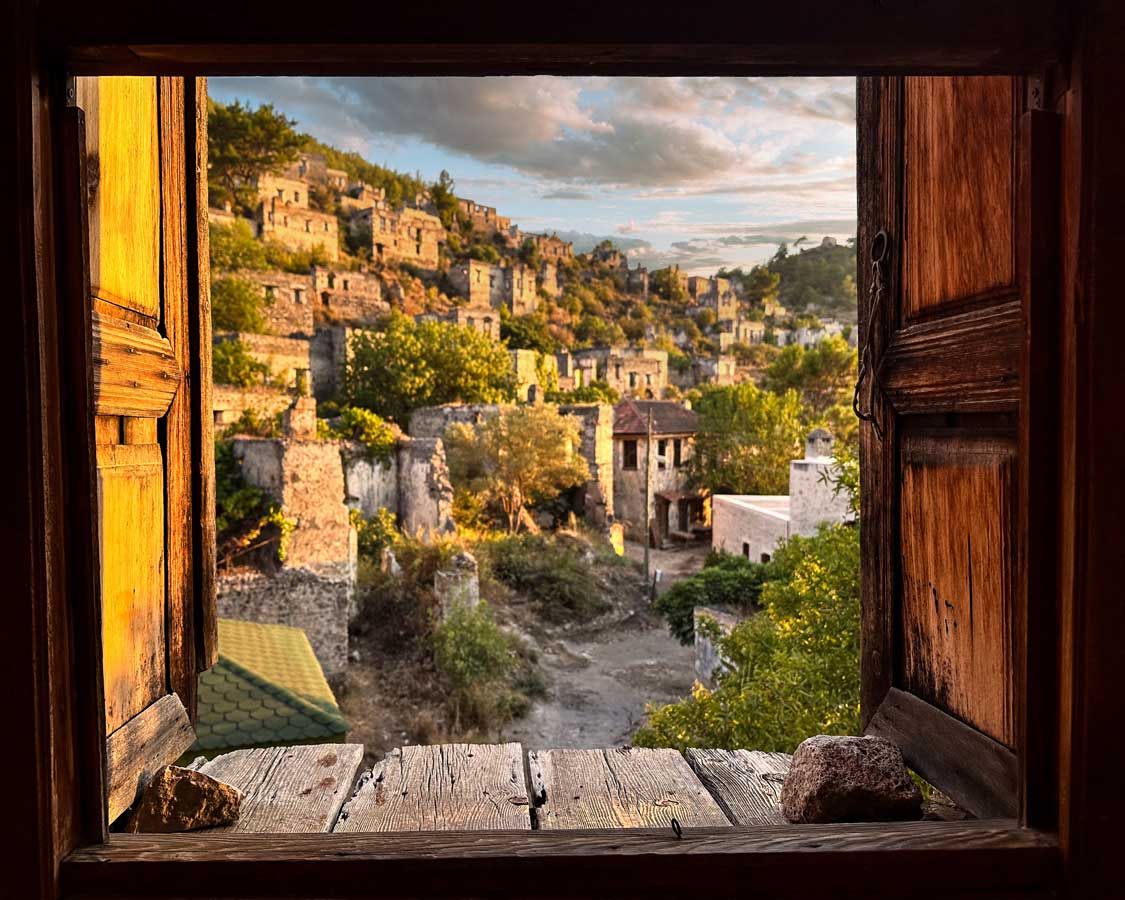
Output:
x=957 y=505
x=745 y=783
x=177 y=424
x=959 y=189
x=878 y=111
x=138 y=431
x=443 y=787
x=964 y=362
x=198 y=268
x=135 y=369
x=153 y=738
x=131 y=543
x=978 y=773
x=938 y=859
x=621 y=788
x=288 y=790
x=123 y=173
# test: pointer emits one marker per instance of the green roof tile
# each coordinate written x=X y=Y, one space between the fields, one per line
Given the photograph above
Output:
x=266 y=689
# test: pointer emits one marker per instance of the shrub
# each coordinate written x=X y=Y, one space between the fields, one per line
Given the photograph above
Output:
x=236 y=305
x=231 y=363
x=378 y=436
x=253 y=423
x=726 y=581
x=791 y=670
x=556 y=578
x=375 y=533
x=235 y=247
x=477 y=660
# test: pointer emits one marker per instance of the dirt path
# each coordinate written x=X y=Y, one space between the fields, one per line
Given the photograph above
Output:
x=599 y=686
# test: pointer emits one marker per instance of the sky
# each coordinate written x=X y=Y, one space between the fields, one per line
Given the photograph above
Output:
x=702 y=172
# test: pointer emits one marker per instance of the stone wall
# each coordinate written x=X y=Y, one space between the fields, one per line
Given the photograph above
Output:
x=288 y=306
x=519 y=289
x=229 y=402
x=475 y=281
x=407 y=235
x=328 y=355
x=425 y=493
x=320 y=603
x=284 y=356
x=749 y=526
x=343 y=297
x=707 y=656
x=315 y=587
x=431 y=421
x=549 y=278
x=597 y=450
x=629 y=371
x=370 y=485
x=297 y=227
x=484 y=319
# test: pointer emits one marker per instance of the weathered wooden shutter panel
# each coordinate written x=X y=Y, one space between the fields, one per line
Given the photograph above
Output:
x=148 y=318
x=946 y=171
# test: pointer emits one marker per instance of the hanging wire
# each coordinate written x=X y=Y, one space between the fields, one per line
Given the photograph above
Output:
x=867 y=366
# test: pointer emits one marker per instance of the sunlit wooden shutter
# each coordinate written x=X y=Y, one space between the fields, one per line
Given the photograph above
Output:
x=139 y=159
x=955 y=171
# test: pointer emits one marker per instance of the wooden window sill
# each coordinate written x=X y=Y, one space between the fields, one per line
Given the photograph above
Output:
x=884 y=859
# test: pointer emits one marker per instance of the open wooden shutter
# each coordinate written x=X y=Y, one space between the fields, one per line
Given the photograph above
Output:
x=138 y=156
x=955 y=173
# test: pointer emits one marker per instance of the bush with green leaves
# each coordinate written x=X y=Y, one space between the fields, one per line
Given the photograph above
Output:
x=790 y=670
x=232 y=363
x=378 y=436
x=234 y=247
x=254 y=424
x=407 y=365
x=594 y=392
x=554 y=576
x=236 y=305
x=374 y=533
x=727 y=582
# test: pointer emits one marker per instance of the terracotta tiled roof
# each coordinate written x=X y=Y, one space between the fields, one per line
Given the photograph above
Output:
x=267 y=689
x=668 y=417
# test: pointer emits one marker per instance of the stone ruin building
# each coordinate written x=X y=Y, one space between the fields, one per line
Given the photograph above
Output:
x=631 y=371
x=484 y=284
x=483 y=219
x=283 y=214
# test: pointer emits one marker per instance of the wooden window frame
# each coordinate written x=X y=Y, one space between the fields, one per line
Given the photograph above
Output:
x=950 y=858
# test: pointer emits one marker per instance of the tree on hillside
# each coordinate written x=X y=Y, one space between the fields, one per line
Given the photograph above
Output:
x=746 y=439
x=445 y=201
x=236 y=305
x=529 y=332
x=519 y=456
x=407 y=365
x=824 y=276
x=243 y=143
x=824 y=376
x=664 y=283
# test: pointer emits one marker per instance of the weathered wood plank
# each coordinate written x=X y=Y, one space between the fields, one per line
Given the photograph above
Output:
x=958 y=495
x=444 y=787
x=976 y=772
x=289 y=790
x=124 y=190
x=622 y=788
x=151 y=739
x=959 y=191
x=135 y=369
x=177 y=422
x=198 y=266
x=745 y=783
x=131 y=543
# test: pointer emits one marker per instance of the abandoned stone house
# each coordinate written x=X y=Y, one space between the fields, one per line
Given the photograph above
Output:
x=713 y=292
x=283 y=215
x=284 y=356
x=484 y=284
x=634 y=281
x=752 y=525
x=550 y=246
x=574 y=371
x=484 y=319
x=678 y=512
x=676 y=275
x=740 y=331
x=483 y=219
x=549 y=278
x=352 y=297
x=721 y=370
x=410 y=235
x=631 y=371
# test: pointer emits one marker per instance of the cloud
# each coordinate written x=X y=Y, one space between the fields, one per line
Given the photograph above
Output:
x=646 y=132
x=584 y=241
x=567 y=194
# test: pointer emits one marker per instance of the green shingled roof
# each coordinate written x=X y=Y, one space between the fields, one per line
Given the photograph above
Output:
x=267 y=689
